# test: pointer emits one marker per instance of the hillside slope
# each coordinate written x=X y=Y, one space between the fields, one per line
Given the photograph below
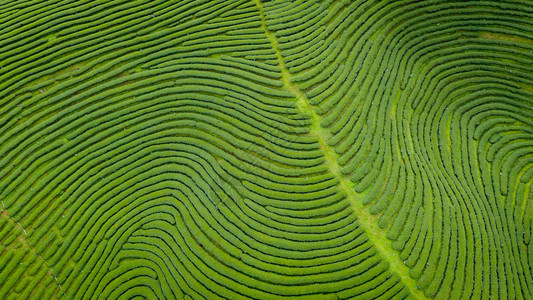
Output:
x=252 y=149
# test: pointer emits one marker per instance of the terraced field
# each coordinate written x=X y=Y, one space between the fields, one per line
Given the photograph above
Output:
x=311 y=149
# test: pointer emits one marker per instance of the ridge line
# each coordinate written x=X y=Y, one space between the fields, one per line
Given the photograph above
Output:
x=369 y=222
x=24 y=240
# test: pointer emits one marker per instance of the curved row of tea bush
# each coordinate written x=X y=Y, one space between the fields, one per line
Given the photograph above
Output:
x=155 y=149
x=150 y=149
x=430 y=107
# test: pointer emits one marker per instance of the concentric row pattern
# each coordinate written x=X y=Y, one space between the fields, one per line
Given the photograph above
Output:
x=240 y=149
x=433 y=101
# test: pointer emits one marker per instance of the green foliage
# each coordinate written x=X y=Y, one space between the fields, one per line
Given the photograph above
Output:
x=240 y=149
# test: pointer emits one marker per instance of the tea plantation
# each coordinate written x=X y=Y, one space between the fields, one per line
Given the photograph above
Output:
x=304 y=149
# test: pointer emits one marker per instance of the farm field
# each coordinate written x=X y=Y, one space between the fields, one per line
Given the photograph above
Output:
x=251 y=149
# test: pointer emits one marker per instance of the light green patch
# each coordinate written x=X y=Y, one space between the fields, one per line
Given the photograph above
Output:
x=505 y=37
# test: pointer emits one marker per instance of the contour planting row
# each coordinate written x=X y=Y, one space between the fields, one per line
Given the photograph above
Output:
x=142 y=155
x=411 y=92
